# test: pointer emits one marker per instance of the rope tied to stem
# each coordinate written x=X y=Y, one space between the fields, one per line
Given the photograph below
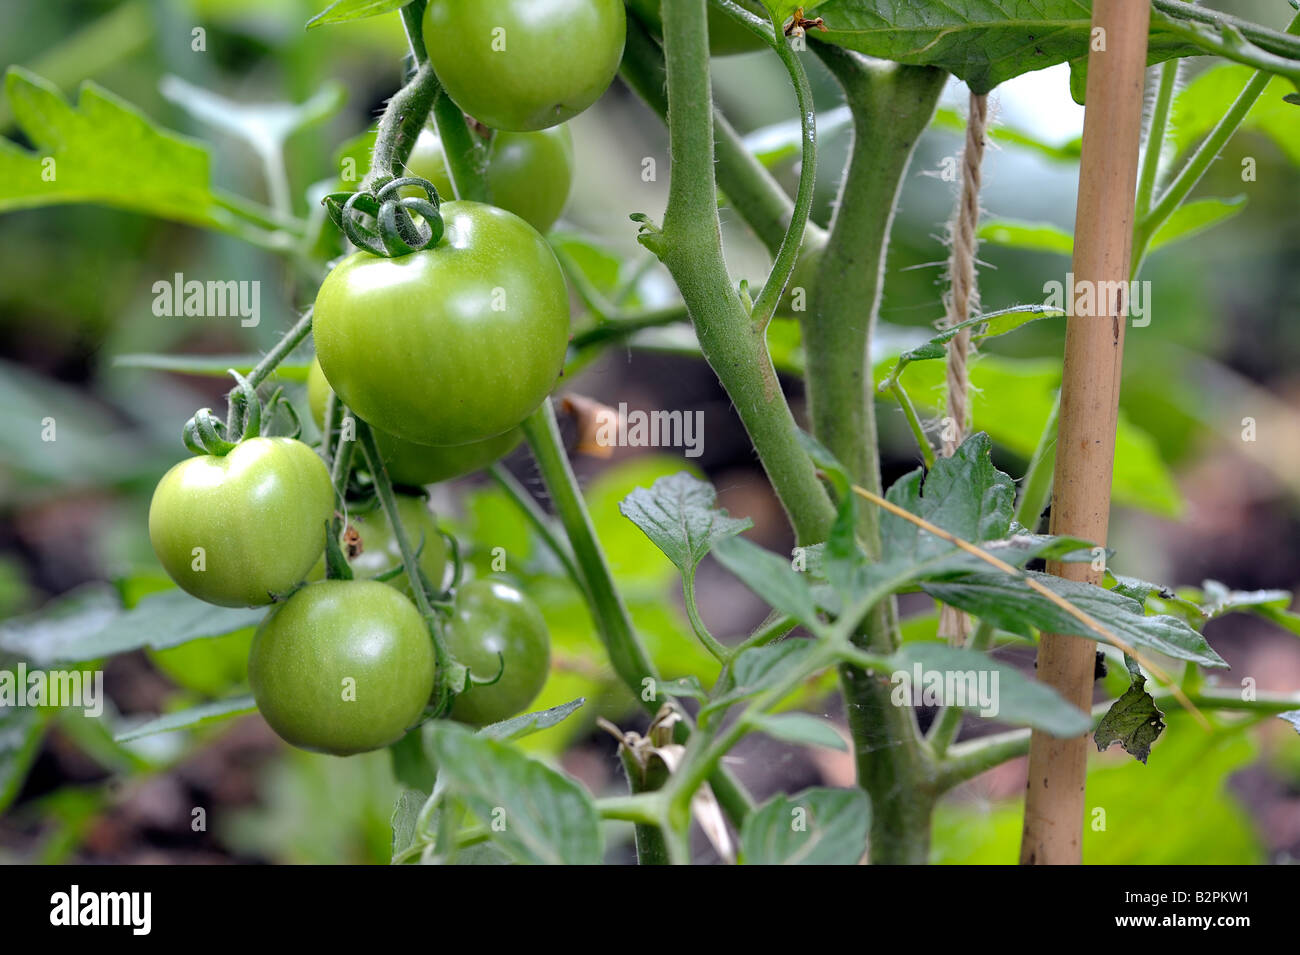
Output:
x=962 y=299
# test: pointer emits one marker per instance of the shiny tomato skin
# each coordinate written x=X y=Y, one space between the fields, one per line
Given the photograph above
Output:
x=416 y=465
x=491 y=617
x=525 y=64
x=529 y=174
x=342 y=667
x=240 y=529
x=453 y=344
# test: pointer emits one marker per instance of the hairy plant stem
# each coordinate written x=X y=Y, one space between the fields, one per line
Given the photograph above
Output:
x=891 y=106
x=613 y=623
x=751 y=189
x=690 y=246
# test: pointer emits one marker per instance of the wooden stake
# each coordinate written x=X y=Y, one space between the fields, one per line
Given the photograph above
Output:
x=1094 y=348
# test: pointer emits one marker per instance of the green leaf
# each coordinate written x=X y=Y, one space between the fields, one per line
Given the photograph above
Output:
x=21 y=730
x=1193 y=218
x=678 y=514
x=90 y=623
x=526 y=724
x=406 y=813
x=1133 y=721
x=104 y=151
x=771 y=577
x=814 y=827
x=1031 y=236
x=534 y=813
x=988 y=325
x=1011 y=399
x=936 y=674
x=963 y=494
x=342 y=11
x=1202 y=103
x=1009 y=603
x=983 y=42
x=188 y=719
x=759 y=668
x=799 y=728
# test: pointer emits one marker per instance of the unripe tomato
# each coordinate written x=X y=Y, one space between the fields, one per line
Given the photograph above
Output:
x=523 y=64
x=491 y=617
x=726 y=36
x=380 y=552
x=529 y=174
x=343 y=666
x=240 y=529
x=417 y=464
x=453 y=344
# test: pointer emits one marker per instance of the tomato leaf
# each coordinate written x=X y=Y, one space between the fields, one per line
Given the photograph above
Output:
x=983 y=42
x=934 y=673
x=799 y=728
x=757 y=669
x=1010 y=604
x=190 y=718
x=679 y=515
x=1193 y=218
x=90 y=623
x=963 y=494
x=102 y=150
x=771 y=577
x=526 y=724
x=531 y=811
x=814 y=827
x=1133 y=721
x=341 y=11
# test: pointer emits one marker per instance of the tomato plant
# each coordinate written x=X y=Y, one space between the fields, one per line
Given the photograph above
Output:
x=514 y=66
x=449 y=345
x=529 y=174
x=896 y=514
x=496 y=629
x=342 y=667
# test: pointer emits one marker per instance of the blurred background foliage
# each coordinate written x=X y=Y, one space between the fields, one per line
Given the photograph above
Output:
x=75 y=293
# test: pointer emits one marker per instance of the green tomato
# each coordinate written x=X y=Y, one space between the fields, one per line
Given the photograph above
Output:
x=453 y=344
x=490 y=617
x=343 y=666
x=239 y=530
x=529 y=174
x=726 y=36
x=521 y=64
x=380 y=552
x=414 y=464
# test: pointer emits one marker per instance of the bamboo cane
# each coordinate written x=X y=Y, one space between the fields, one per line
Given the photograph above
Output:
x=1094 y=347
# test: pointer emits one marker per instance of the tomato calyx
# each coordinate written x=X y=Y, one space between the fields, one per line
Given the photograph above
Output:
x=206 y=434
x=381 y=222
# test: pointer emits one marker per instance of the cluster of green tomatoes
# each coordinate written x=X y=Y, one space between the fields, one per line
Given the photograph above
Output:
x=442 y=353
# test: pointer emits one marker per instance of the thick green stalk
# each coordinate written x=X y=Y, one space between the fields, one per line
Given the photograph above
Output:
x=628 y=657
x=690 y=245
x=891 y=106
x=750 y=188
